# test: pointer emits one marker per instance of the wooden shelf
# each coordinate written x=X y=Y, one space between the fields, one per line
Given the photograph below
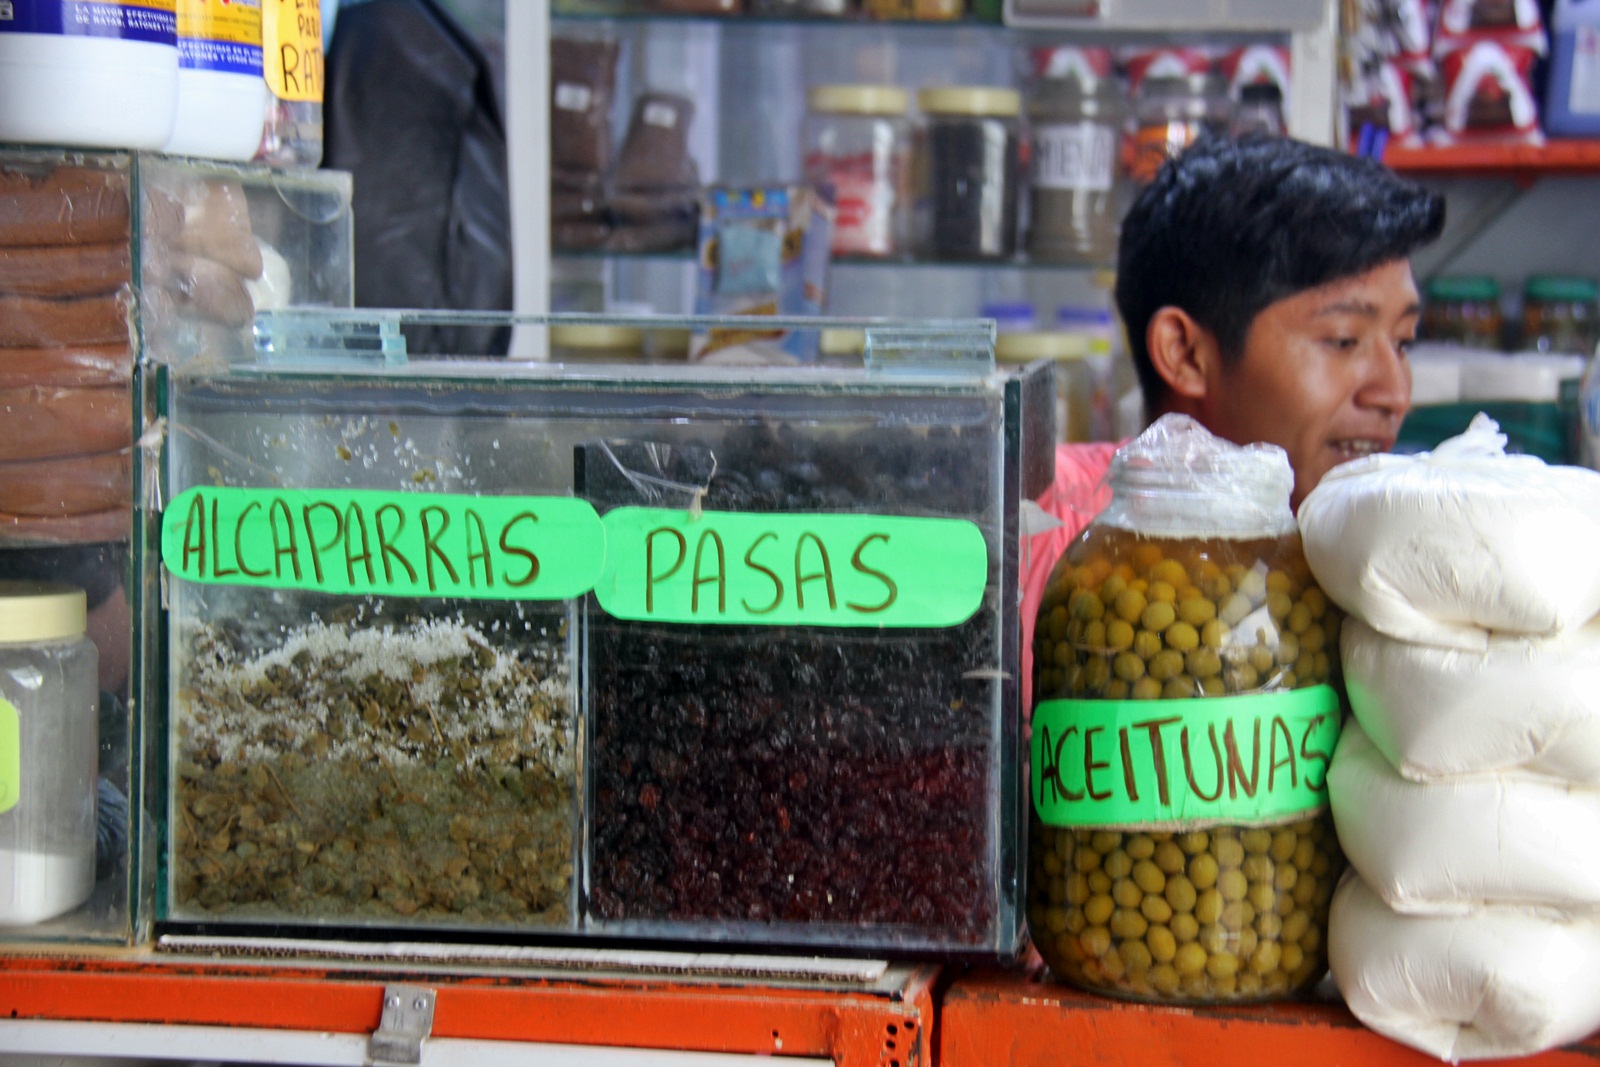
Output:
x=991 y=1016
x=1519 y=162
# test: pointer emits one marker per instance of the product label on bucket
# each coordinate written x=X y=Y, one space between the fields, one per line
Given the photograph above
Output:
x=222 y=35
x=10 y=756
x=395 y=544
x=154 y=21
x=1254 y=758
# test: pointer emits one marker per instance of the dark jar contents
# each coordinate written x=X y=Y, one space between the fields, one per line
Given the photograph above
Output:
x=1137 y=887
x=1075 y=170
x=1463 y=310
x=1559 y=314
x=792 y=776
x=972 y=145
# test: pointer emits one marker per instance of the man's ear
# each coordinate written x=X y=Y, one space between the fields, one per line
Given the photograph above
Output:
x=1182 y=351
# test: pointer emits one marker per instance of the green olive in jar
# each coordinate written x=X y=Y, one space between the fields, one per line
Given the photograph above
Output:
x=1195 y=903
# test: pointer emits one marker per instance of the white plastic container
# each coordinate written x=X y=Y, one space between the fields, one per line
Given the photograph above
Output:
x=49 y=698
x=222 y=96
x=102 y=75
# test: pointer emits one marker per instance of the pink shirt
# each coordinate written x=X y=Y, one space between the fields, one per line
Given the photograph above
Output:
x=1077 y=496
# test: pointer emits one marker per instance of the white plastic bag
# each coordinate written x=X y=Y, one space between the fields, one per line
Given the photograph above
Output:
x=1498 y=982
x=1449 y=846
x=1522 y=702
x=1442 y=547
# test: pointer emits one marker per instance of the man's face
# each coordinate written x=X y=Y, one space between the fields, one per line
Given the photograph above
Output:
x=1323 y=374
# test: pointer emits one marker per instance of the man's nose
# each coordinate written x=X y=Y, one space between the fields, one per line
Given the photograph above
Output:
x=1388 y=380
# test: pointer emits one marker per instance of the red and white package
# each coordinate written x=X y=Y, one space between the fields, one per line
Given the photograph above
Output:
x=1256 y=64
x=1488 y=97
x=1088 y=64
x=1511 y=23
x=1410 y=26
x=1381 y=101
x=1142 y=63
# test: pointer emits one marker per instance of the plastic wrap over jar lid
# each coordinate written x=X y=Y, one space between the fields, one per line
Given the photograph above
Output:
x=1179 y=480
x=40 y=611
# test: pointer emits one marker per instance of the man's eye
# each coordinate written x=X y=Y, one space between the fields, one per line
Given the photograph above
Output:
x=1403 y=345
x=1343 y=344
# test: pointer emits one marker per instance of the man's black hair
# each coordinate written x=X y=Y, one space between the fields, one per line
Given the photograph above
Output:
x=1229 y=227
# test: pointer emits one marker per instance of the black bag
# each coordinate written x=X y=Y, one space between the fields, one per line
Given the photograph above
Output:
x=411 y=111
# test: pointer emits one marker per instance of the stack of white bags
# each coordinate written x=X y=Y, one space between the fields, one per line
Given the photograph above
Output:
x=1467 y=789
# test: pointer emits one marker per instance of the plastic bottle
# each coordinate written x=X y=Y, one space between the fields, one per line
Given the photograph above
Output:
x=291 y=40
x=99 y=75
x=49 y=700
x=222 y=94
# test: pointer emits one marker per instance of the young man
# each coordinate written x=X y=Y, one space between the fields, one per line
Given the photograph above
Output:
x=1266 y=290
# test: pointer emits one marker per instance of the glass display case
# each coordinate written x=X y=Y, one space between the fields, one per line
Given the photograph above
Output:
x=685 y=653
x=107 y=258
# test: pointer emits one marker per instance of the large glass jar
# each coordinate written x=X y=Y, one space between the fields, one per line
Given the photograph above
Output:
x=858 y=140
x=1559 y=314
x=1463 y=309
x=972 y=148
x=1171 y=113
x=1076 y=170
x=1181 y=849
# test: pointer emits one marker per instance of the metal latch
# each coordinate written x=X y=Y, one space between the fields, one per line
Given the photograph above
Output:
x=407 y=1019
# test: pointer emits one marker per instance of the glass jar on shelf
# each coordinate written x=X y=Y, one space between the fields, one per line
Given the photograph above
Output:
x=1559 y=314
x=1259 y=111
x=972 y=146
x=1463 y=310
x=1076 y=175
x=1181 y=849
x=858 y=140
x=1171 y=113
x=1080 y=389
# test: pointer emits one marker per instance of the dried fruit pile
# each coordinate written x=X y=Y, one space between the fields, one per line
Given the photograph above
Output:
x=808 y=776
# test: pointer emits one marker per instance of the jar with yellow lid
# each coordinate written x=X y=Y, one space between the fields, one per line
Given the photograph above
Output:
x=972 y=147
x=858 y=142
x=49 y=746
x=596 y=344
x=1181 y=849
x=1079 y=386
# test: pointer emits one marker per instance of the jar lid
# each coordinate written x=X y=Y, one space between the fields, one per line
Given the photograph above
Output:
x=1192 y=85
x=976 y=100
x=1563 y=287
x=1027 y=346
x=671 y=342
x=1463 y=287
x=858 y=99
x=842 y=341
x=1100 y=95
x=616 y=337
x=40 y=611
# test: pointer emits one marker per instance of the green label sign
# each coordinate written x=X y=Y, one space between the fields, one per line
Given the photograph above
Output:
x=1139 y=763
x=395 y=544
x=10 y=756
x=791 y=569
